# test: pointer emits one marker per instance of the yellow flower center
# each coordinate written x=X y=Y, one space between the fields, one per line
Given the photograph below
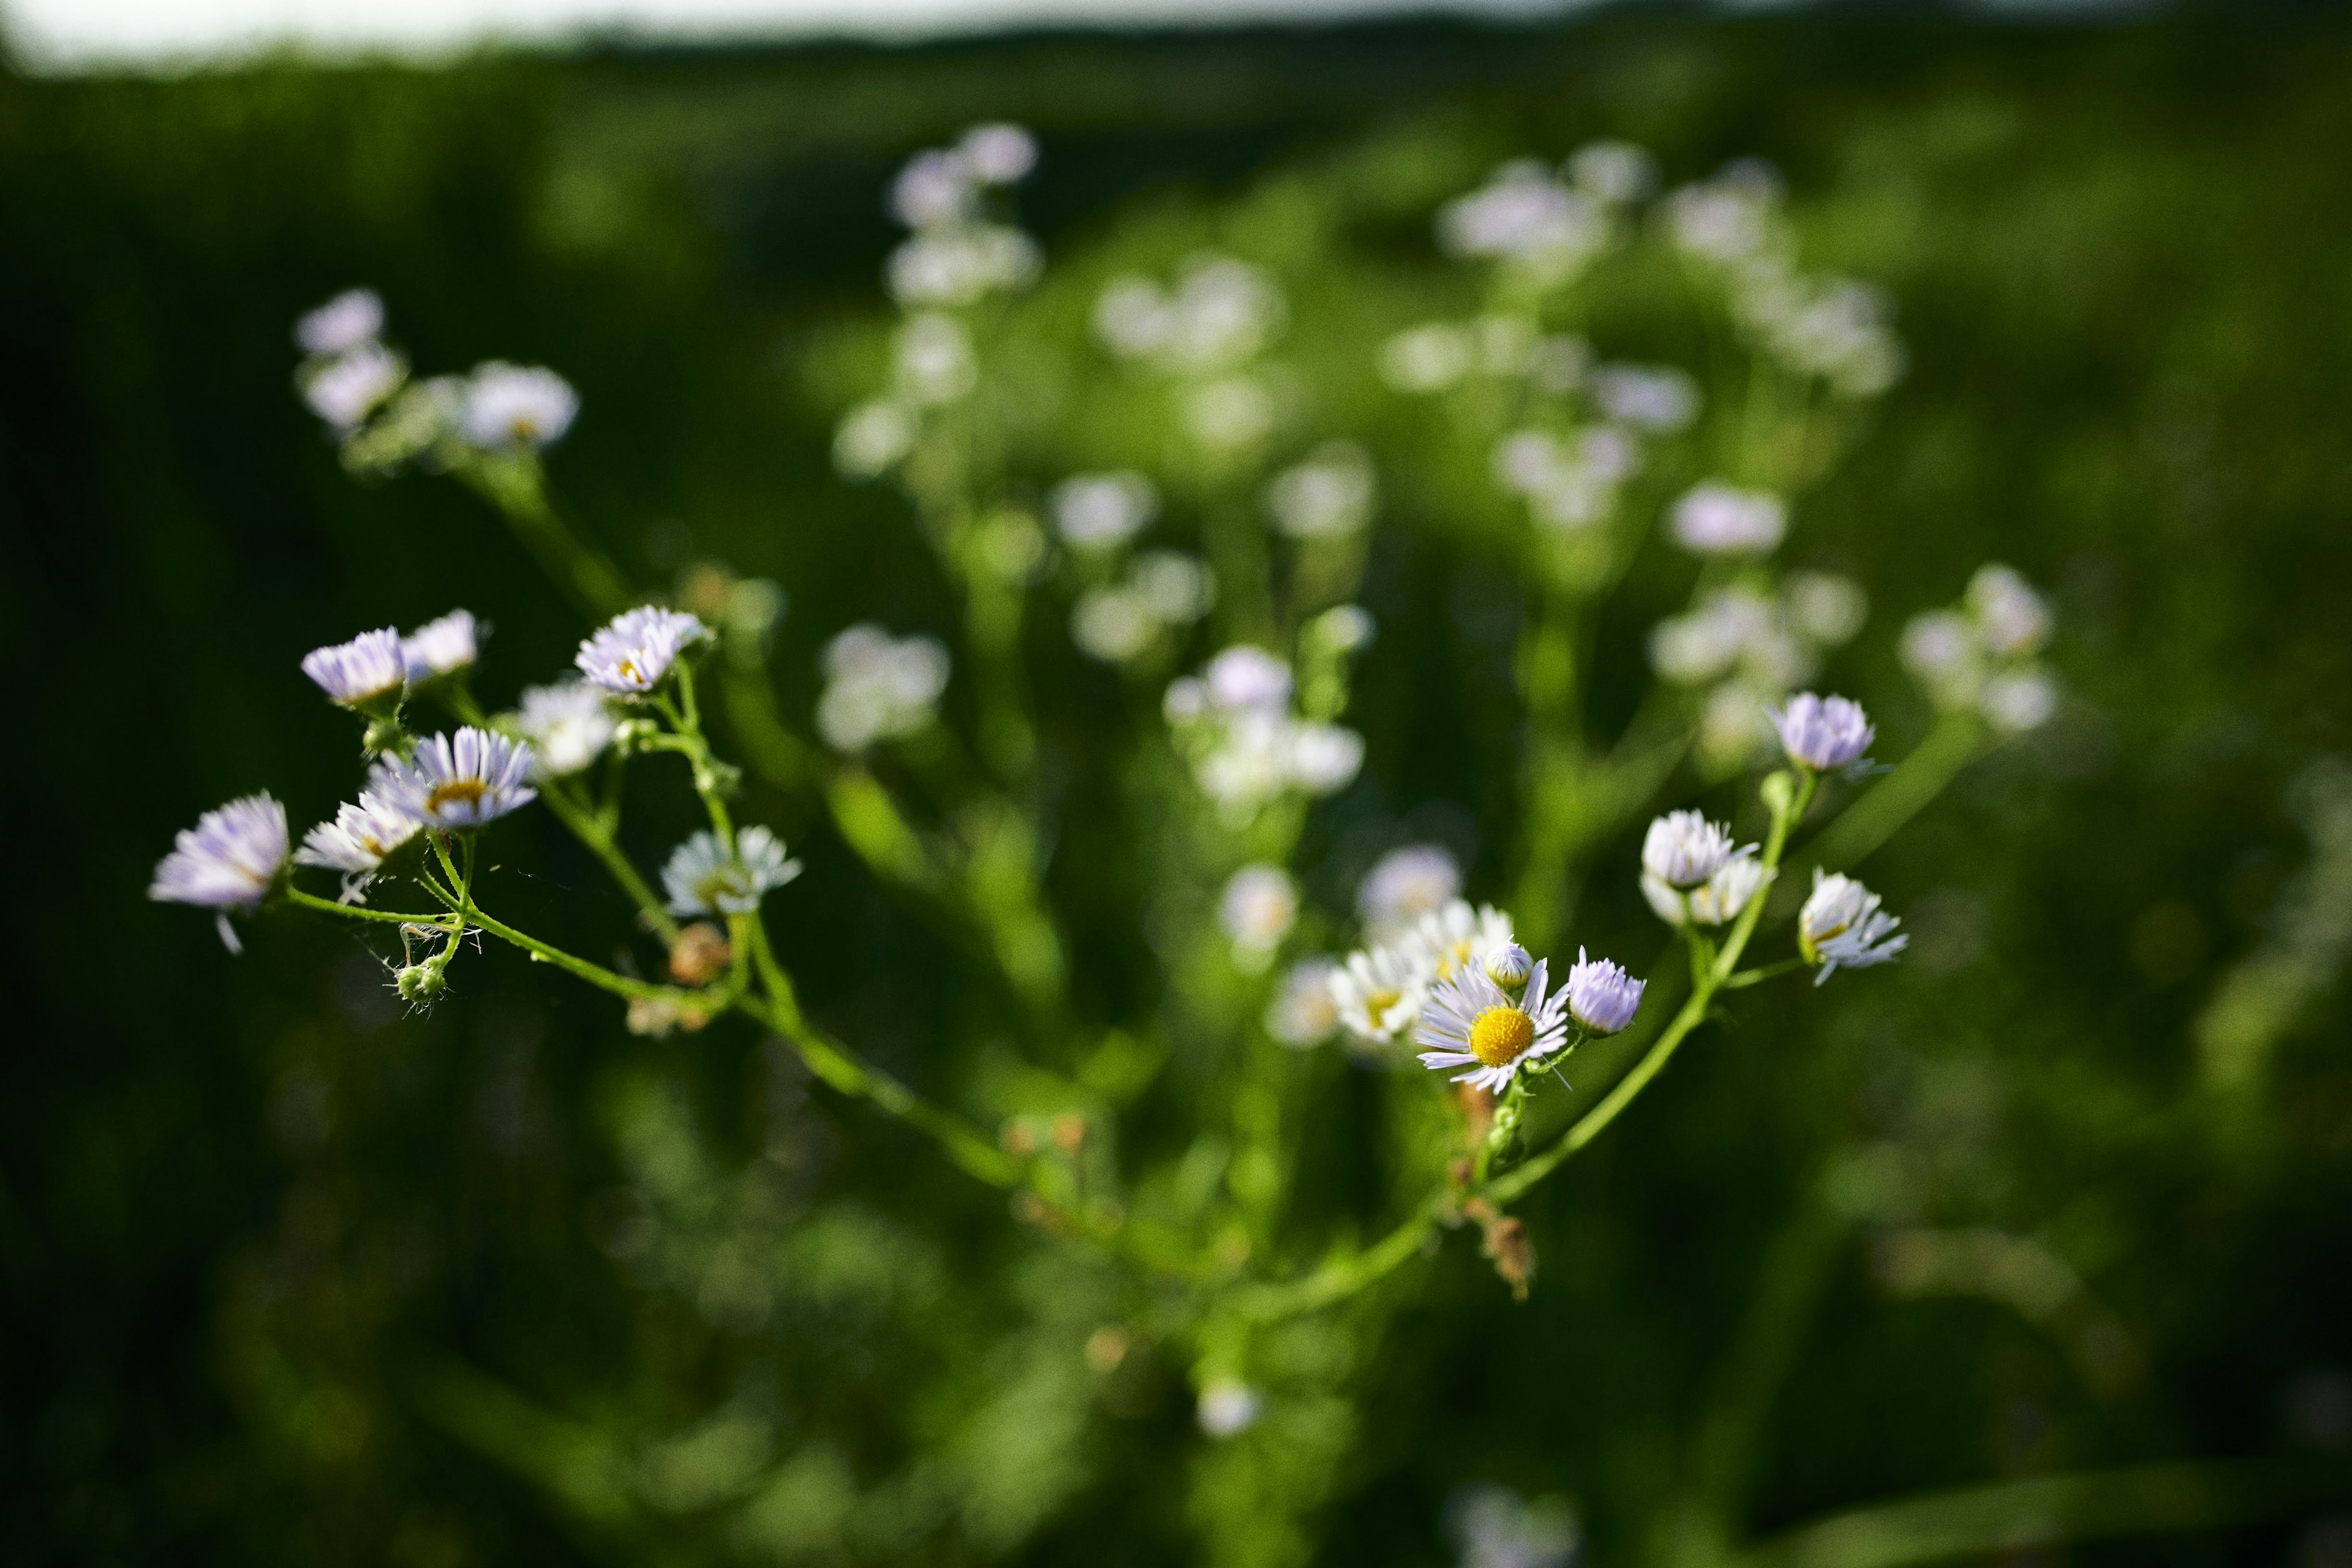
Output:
x=457 y=792
x=1380 y=1002
x=1501 y=1035
x=1452 y=958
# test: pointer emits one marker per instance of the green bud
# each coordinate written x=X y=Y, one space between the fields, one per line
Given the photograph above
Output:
x=1779 y=791
x=421 y=982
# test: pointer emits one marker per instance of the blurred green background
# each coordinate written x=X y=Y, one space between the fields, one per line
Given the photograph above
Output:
x=289 y=1278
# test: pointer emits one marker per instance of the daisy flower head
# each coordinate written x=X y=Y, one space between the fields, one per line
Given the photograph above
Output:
x=1103 y=511
x=2013 y=618
x=1822 y=733
x=1229 y=1407
x=516 y=406
x=454 y=783
x=368 y=673
x=1404 y=885
x=630 y=655
x=998 y=154
x=703 y=879
x=1601 y=996
x=1717 y=518
x=878 y=686
x=1303 y=1012
x=1713 y=902
x=443 y=645
x=1454 y=936
x=1842 y=926
x=1259 y=907
x=357 y=842
x=568 y=725
x=1683 y=848
x=1328 y=495
x=346 y=389
x=1380 y=991
x=1470 y=1022
x=1244 y=676
x=231 y=859
x=344 y=322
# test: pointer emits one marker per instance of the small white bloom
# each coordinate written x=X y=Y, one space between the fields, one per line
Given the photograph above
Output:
x=1824 y=608
x=348 y=388
x=357 y=842
x=872 y=439
x=999 y=153
x=1324 y=758
x=631 y=654
x=1942 y=652
x=1822 y=733
x=961 y=266
x=1524 y=215
x=1244 y=677
x=1132 y=317
x=1683 y=848
x=1113 y=624
x=1428 y=358
x=231 y=859
x=702 y=879
x=443 y=645
x=1841 y=925
x=1612 y=171
x=1509 y=965
x=934 y=360
x=342 y=324
x=1223 y=312
x=1735 y=725
x=2013 y=618
x=1600 y=995
x=1470 y=1022
x=1259 y=907
x=1228 y=1408
x=2020 y=700
x=1714 y=903
x=1456 y=936
x=1404 y=885
x=934 y=190
x=515 y=407
x=1186 y=703
x=1379 y=992
x=452 y=783
x=1717 y=518
x=1495 y=1528
x=1103 y=511
x=1347 y=628
x=1328 y=494
x=1231 y=414
x=568 y=726
x=367 y=672
x=1302 y=1013
x=1171 y=585
x=1648 y=397
x=878 y=686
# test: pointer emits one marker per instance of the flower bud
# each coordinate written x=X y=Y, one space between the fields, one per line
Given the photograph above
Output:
x=699 y=956
x=1509 y=965
x=421 y=982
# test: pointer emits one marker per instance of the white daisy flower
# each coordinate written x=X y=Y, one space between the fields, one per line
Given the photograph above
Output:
x=1173 y=586
x=1472 y=1022
x=1648 y=397
x=1456 y=936
x=878 y=686
x=453 y=784
x=934 y=190
x=1713 y=902
x=702 y=879
x=1328 y=495
x=1841 y=925
x=1600 y=995
x=568 y=726
x=1379 y=992
x=515 y=407
x=1612 y=171
x=998 y=154
x=933 y=360
x=368 y=673
x=872 y=437
x=1244 y=678
x=1717 y=518
x=1103 y=511
x=441 y=646
x=1259 y=906
x=1822 y=732
x=1324 y=758
x=1229 y=1407
x=231 y=859
x=1428 y=358
x=2020 y=700
x=357 y=842
x=1404 y=885
x=2015 y=618
x=1683 y=848
x=344 y=322
x=348 y=388
x=631 y=654
x=1303 y=1012
x=1526 y=215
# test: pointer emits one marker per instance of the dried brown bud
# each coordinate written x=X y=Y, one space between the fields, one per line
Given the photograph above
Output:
x=699 y=956
x=1477 y=1112
x=1107 y=1347
x=1019 y=1138
x=1514 y=1255
x=1069 y=1131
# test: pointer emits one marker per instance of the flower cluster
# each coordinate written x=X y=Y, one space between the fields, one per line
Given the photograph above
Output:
x=879 y=687
x=1983 y=656
x=1237 y=724
x=705 y=876
x=1382 y=989
x=1328 y=495
x=1203 y=331
x=361 y=388
x=1547 y=224
x=1693 y=874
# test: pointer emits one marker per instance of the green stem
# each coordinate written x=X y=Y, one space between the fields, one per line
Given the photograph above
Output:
x=517 y=486
x=1869 y=822
x=359 y=913
x=602 y=842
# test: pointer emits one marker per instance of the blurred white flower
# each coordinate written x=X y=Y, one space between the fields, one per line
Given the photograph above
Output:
x=346 y=389
x=1231 y=414
x=514 y=406
x=1734 y=723
x=1113 y=624
x=1228 y=1408
x=1378 y=993
x=368 y=672
x=568 y=725
x=878 y=687
x=342 y=324
x=1330 y=493
x=443 y=645
x=1648 y=397
x=1494 y=1528
x=631 y=653
x=1175 y=587
x=1717 y=518
x=702 y=879
x=1131 y=316
x=1522 y=215
x=872 y=438
x=1941 y=651
x=1840 y=926
x=356 y=842
x=1259 y=906
x=1426 y=358
x=1824 y=608
x=1102 y=512
x=960 y=266
x=1303 y=1013
x=2012 y=618
x=998 y=154
x=1244 y=676
x=933 y=359
x=934 y=190
x=1404 y=885
x=1727 y=218
x=1612 y=171
x=231 y=859
x=1454 y=936
x=2019 y=702
x=1324 y=758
